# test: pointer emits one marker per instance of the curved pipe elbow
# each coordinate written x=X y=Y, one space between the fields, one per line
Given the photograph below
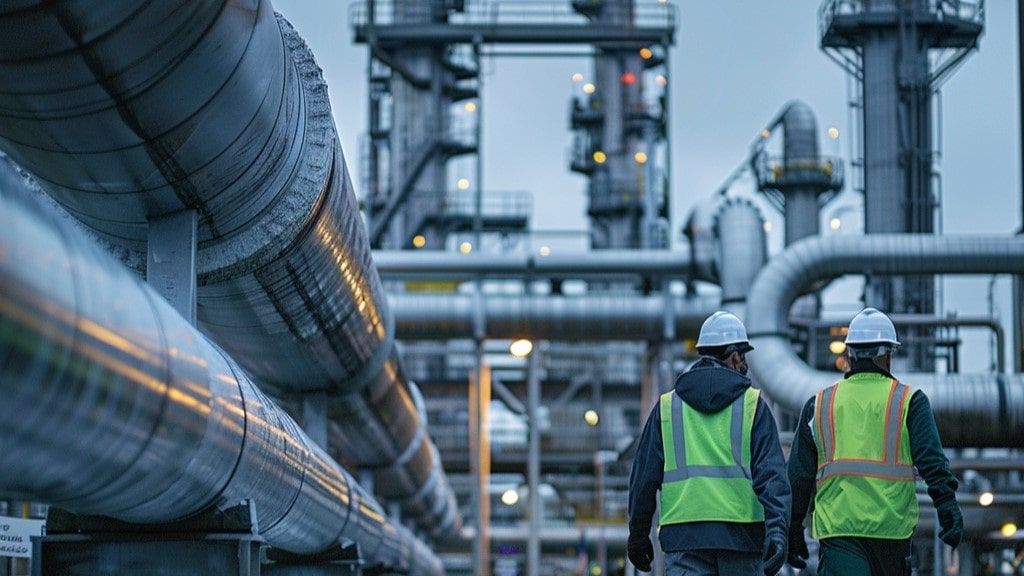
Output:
x=966 y=406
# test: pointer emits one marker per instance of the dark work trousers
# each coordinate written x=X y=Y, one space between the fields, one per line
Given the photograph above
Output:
x=848 y=556
x=713 y=563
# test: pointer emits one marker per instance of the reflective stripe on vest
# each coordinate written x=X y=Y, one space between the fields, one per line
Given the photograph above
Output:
x=694 y=490
x=889 y=466
x=865 y=478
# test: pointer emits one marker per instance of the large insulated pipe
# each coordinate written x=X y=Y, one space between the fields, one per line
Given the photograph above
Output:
x=971 y=409
x=557 y=265
x=585 y=318
x=114 y=404
x=128 y=112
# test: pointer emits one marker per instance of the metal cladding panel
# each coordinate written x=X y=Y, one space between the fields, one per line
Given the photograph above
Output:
x=585 y=318
x=800 y=137
x=118 y=126
x=971 y=410
x=115 y=405
x=742 y=247
x=127 y=111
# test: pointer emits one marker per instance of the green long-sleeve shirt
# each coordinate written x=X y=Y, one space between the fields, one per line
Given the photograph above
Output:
x=925 y=450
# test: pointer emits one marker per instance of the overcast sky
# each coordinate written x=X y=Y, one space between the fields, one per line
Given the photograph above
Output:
x=735 y=64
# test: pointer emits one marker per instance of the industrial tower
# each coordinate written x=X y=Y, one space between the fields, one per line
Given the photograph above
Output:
x=620 y=128
x=900 y=51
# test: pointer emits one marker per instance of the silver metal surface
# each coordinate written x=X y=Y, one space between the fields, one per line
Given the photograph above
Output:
x=590 y=317
x=115 y=405
x=559 y=265
x=800 y=145
x=743 y=250
x=171 y=260
x=127 y=112
x=536 y=517
x=700 y=230
x=971 y=409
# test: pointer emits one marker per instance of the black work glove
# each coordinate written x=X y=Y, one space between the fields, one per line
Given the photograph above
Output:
x=640 y=551
x=798 y=553
x=952 y=523
x=774 y=554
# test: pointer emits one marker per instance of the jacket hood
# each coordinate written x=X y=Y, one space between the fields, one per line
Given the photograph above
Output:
x=710 y=386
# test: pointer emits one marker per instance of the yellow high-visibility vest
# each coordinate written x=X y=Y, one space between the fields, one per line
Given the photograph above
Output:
x=707 y=462
x=865 y=479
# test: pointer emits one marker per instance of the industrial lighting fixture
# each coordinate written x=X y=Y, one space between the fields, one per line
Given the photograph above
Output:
x=661 y=79
x=466 y=247
x=833 y=132
x=510 y=497
x=591 y=417
x=1008 y=529
x=837 y=347
x=419 y=241
x=646 y=53
x=835 y=223
x=640 y=157
x=628 y=78
x=544 y=251
x=463 y=184
x=600 y=157
x=589 y=88
x=986 y=498
x=767 y=227
x=470 y=106
x=521 y=348
x=765 y=133
x=577 y=77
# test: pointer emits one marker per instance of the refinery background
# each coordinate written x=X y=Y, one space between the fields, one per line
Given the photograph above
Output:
x=555 y=193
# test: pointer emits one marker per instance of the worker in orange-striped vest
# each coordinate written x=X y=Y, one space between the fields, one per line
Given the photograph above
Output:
x=855 y=451
x=711 y=448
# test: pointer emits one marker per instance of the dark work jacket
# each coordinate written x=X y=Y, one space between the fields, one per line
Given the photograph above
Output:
x=925 y=451
x=710 y=386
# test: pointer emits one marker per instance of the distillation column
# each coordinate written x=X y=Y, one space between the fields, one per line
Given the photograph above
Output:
x=894 y=39
x=624 y=209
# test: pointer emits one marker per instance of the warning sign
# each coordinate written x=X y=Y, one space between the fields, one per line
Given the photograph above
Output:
x=16 y=536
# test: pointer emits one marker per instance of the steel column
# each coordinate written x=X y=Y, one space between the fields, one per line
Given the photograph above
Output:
x=533 y=392
x=171 y=260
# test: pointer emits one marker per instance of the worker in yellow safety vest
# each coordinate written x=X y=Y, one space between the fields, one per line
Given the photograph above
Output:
x=711 y=447
x=855 y=451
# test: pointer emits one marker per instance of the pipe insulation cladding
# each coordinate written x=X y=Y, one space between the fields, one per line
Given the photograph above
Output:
x=127 y=111
x=114 y=404
x=972 y=410
x=592 y=317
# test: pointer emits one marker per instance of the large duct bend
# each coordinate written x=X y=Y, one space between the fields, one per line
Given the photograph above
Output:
x=127 y=112
x=800 y=133
x=114 y=404
x=971 y=410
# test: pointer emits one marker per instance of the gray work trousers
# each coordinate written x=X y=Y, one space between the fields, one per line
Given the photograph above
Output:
x=713 y=563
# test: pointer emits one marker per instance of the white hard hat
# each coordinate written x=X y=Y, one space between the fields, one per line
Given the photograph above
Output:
x=871 y=327
x=721 y=329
